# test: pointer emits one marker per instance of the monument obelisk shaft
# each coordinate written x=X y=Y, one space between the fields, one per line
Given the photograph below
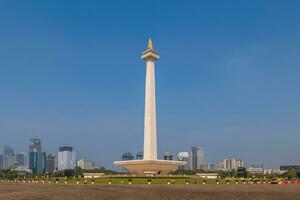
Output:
x=150 y=145
x=150 y=165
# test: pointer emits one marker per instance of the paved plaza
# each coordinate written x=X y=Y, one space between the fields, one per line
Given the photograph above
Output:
x=145 y=192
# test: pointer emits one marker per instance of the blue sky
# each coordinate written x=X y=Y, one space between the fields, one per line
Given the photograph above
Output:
x=227 y=80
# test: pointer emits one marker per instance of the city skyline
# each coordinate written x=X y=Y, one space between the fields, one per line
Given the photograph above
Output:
x=228 y=80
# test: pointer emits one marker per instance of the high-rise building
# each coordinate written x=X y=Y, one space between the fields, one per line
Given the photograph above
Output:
x=37 y=158
x=1 y=161
x=8 y=154
x=196 y=158
x=8 y=157
x=231 y=164
x=168 y=156
x=37 y=162
x=127 y=156
x=66 y=158
x=238 y=163
x=50 y=163
x=184 y=156
x=85 y=164
x=35 y=145
x=7 y=150
x=20 y=159
x=10 y=161
x=140 y=155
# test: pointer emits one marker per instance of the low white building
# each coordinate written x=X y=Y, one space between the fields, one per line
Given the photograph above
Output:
x=85 y=164
x=208 y=175
x=274 y=171
x=93 y=175
x=256 y=169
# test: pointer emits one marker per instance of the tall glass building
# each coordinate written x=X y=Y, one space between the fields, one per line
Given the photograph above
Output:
x=37 y=162
x=196 y=158
x=35 y=145
x=37 y=158
x=66 y=158
x=50 y=163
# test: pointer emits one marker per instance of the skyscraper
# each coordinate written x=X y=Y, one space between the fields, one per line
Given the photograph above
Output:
x=140 y=155
x=1 y=161
x=37 y=158
x=66 y=158
x=35 y=145
x=8 y=157
x=127 y=156
x=10 y=161
x=196 y=158
x=37 y=162
x=7 y=150
x=168 y=156
x=20 y=159
x=50 y=163
x=184 y=156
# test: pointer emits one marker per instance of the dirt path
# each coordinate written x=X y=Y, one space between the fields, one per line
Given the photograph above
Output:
x=145 y=192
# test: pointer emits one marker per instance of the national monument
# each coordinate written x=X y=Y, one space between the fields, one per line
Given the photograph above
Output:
x=150 y=165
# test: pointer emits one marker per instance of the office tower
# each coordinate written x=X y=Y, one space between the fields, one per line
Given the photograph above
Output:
x=127 y=156
x=50 y=163
x=184 y=156
x=10 y=161
x=7 y=150
x=238 y=163
x=1 y=161
x=85 y=164
x=37 y=159
x=37 y=162
x=20 y=159
x=66 y=158
x=8 y=157
x=212 y=167
x=35 y=145
x=197 y=158
x=168 y=156
x=140 y=155
x=231 y=164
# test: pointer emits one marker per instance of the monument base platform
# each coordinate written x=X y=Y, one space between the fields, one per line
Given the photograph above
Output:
x=150 y=167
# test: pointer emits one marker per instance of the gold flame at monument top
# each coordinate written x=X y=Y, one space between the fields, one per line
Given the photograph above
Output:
x=150 y=46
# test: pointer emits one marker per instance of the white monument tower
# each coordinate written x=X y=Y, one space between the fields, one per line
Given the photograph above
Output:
x=150 y=164
x=150 y=146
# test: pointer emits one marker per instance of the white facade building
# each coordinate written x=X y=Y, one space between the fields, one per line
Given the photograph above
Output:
x=184 y=156
x=85 y=164
x=231 y=164
x=66 y=158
